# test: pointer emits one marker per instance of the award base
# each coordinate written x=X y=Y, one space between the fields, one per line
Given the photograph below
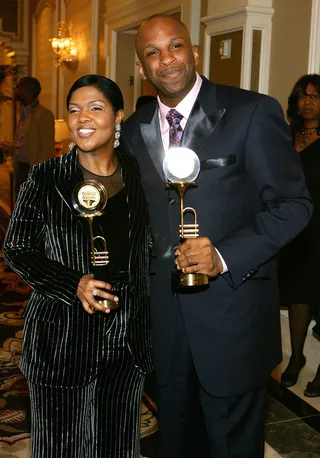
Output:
x=107 y=303
x=103 y=273
x=186 y=281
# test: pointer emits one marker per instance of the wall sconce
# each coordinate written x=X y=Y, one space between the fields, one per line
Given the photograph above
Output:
x=61 y=134
x=64 y=47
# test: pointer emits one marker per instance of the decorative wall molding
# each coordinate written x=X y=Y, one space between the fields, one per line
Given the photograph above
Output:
x=10 y=36
x=44 y=4
x=314 y=47
x=246 y=18
x=40 y=7
x=60 y=75
x=123 y=15
x=94 y=36
x=19 y=43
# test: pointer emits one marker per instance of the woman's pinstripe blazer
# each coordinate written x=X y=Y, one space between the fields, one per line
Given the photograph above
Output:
x=48 y=245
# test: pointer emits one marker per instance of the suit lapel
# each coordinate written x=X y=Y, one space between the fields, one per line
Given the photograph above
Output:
x=150 y=131
x=199 y=127
x=203 y=119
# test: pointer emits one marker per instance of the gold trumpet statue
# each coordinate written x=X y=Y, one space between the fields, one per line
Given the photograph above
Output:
x=89 y=199
x=181 y=167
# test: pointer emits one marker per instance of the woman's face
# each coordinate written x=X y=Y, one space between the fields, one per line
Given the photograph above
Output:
x=92 y=121
x=309 y=103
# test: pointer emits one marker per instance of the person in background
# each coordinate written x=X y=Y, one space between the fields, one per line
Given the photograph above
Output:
x=143 y=100
x=85 y=365
x=34 y=138
x=214 y=347
x=299 y=261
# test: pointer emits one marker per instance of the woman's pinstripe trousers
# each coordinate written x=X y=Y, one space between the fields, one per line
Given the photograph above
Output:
x=99 y=420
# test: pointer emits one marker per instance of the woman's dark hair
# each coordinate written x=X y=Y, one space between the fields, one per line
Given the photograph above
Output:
x=296 y=120
x=107 y=87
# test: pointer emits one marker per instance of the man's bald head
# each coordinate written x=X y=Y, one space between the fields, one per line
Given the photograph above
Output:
x=155 y=19
x=167 y=57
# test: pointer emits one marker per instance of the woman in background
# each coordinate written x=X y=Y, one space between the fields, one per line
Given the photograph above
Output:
x=85 y=365
x=299 y=261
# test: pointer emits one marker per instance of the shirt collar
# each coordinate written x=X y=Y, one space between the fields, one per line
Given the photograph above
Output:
x=25 y=110
x=186 y=104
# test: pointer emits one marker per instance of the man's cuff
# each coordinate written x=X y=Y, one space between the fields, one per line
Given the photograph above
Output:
x=224 y=265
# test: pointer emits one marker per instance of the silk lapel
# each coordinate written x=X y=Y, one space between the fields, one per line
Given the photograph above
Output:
x=151 y=134
x=204 y=117
x=199 y=127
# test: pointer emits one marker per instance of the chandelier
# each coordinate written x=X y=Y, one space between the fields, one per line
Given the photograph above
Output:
x=64 y=47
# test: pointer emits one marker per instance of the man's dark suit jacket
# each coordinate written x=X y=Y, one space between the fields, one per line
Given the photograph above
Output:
x=251 y=199
x=48 y=244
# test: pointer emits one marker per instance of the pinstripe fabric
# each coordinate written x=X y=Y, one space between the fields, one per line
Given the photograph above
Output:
x=107 y=410
x=48 y=245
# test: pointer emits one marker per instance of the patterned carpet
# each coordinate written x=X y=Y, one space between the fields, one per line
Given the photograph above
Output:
x=14 y=396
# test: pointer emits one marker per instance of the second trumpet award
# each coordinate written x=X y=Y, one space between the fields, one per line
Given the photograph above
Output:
x=89 y=199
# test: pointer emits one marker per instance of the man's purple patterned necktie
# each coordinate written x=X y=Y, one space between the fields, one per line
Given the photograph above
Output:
x=175 y=131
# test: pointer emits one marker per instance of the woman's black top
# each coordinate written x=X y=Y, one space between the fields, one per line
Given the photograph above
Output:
x=114 y=220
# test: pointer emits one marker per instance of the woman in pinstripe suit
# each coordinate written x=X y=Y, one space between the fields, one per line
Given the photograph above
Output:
x=85 y=364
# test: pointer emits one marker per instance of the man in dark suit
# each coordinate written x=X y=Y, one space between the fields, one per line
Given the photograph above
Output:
x=214 y=349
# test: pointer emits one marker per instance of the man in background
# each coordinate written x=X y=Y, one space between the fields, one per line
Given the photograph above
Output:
x=34 y=138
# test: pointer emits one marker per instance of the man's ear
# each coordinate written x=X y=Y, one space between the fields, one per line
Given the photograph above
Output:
x=141 y=72
x=195 y=53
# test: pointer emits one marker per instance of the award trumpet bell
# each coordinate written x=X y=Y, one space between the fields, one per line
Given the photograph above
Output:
x=181 y=167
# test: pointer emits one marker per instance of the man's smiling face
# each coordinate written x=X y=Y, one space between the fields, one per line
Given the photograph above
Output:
x=167 y=58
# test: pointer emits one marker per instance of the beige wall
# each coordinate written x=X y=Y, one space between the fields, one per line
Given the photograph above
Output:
x=6 y=129
x=290 y=46
x=101 y=52
x=44 y=55
x=125 y=69
x=226 y=71
x=79 y=15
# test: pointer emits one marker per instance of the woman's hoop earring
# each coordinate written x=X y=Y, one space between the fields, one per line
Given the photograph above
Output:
x=117 y=136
